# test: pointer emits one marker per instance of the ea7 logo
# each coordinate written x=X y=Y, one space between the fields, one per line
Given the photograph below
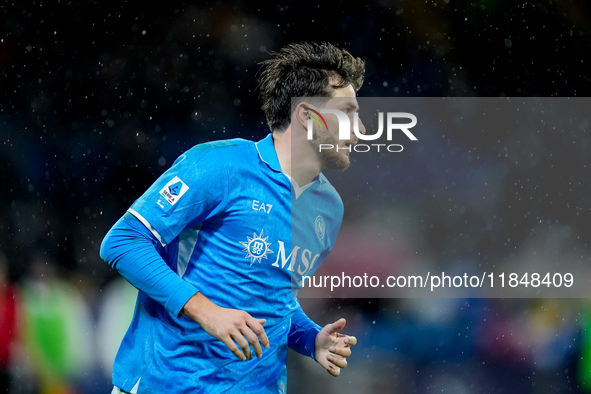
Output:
x=345 y=124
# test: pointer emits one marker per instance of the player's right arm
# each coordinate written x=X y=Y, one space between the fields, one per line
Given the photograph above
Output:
x=130 y=248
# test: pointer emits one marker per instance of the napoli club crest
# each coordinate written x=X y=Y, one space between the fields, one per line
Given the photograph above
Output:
x=320 y=227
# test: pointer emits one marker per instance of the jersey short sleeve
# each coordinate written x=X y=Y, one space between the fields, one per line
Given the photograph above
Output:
x=194 y=189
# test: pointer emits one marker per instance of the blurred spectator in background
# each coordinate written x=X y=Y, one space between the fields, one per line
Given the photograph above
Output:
x=8 y=324
x=57 y=331
x=114 y=315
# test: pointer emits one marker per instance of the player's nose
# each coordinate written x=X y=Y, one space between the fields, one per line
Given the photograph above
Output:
x=361 y=126
x=357 y=128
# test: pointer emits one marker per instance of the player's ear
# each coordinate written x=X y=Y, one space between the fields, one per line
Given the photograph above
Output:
x=302 y=114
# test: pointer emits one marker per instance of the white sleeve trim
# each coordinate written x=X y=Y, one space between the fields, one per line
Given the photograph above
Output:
x=148 y=225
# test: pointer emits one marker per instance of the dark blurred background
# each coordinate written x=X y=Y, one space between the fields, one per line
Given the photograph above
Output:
x=98 y=98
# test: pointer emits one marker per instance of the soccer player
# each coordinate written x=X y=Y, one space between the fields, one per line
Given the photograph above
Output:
x=218 y=242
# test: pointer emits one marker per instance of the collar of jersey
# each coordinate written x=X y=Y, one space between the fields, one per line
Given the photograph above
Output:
x=267 y=153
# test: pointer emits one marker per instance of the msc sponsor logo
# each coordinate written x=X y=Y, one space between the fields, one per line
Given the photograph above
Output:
x=302 y=263
x=299 y=260
x=256 y=247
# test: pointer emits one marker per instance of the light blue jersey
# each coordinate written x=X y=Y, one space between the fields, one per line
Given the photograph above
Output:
x=230 y=224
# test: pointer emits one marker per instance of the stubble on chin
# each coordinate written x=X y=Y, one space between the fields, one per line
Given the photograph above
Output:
x=336 y=160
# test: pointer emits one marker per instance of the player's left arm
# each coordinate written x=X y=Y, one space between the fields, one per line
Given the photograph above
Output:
x=331 y=348
x=326 y=345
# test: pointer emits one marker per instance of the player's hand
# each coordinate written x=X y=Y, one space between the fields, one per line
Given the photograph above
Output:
x=231 y=326
x=332 y=348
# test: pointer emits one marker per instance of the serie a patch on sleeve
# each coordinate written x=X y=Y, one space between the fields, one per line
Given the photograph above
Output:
x=171 y=193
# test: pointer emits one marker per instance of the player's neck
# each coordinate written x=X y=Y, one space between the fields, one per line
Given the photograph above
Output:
x=296 y=157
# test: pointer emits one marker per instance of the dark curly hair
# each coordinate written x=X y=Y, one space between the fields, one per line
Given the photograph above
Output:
x=304 y=70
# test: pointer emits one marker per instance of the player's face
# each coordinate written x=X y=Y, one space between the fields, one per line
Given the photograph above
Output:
x=338 y=157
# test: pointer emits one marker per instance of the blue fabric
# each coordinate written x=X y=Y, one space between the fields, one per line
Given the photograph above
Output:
x=225 y=221
x=132 y=249
x=302 y=334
